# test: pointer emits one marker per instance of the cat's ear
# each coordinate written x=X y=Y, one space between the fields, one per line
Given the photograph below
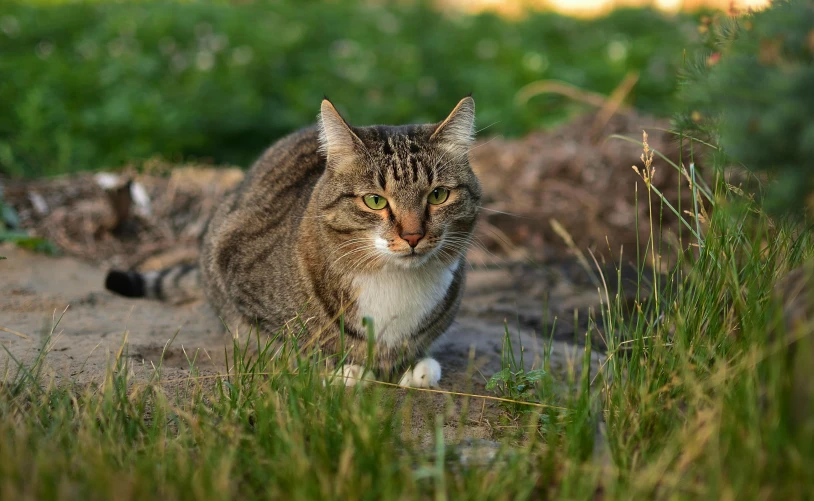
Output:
x=336 y=139
x=457 y=132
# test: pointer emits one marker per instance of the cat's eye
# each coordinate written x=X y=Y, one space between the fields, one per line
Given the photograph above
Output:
x=438 y=196
x=375 y=202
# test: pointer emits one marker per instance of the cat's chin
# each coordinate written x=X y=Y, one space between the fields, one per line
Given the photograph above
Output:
x=414 y=261
x=410 y=261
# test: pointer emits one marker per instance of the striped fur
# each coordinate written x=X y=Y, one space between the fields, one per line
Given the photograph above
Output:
x=175 y=284
x=295 y=245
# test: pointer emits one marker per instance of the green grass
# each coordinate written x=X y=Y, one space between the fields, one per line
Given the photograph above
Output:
x=694 y=402
x=93 y=85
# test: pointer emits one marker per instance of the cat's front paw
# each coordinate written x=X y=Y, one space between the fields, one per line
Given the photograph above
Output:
x=351 y=375
x=424 y=374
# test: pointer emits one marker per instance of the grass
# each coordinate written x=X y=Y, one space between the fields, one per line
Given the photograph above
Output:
x=695 y=400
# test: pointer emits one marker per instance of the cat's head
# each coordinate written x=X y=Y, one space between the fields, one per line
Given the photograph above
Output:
x=398 y=196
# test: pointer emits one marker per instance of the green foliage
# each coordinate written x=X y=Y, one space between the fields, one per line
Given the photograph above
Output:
x=9 y=221
x=514 y=382
x=24 y=240
x=90 y=85
x=751 y=93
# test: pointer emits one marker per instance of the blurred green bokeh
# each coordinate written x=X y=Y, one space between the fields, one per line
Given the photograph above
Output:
x=752 y=94
x=90 y=85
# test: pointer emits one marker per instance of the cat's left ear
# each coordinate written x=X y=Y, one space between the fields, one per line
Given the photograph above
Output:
x=457 y=132
x=336 y=139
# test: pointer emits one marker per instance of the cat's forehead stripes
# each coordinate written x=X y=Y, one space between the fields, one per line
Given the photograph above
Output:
x=398 y=154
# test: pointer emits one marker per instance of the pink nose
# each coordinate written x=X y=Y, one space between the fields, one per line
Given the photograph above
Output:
x=412 y=238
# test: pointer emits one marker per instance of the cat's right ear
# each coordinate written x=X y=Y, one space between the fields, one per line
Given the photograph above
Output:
x=457 y=132
x=336 y=139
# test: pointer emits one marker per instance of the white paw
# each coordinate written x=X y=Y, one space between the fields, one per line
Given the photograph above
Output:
x=425 y=374
x=351 y=375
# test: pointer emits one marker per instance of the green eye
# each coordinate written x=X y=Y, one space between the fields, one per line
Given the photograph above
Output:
x=375 y=202
x=438 y=196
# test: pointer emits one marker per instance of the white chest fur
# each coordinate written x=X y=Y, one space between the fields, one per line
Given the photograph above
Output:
x=398 y=300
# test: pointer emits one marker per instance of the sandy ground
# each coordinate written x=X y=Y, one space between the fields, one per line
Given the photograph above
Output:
x=37 y=289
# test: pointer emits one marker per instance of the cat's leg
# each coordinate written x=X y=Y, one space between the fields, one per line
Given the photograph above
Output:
x=424 y=374
x=351 y=375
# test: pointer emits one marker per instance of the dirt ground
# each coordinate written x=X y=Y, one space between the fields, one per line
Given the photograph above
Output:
x=38 y=288
x=522 y=274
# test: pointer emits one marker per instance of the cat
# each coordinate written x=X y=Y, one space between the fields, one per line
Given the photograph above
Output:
x=368 y=226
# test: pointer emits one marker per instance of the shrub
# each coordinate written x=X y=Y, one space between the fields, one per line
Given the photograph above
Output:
x=751 y=94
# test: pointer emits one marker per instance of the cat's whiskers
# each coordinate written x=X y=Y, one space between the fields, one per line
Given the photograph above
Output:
x=440 y=168
x=445 y=253
x=484 y=128
x=456 y=248
x=358 y=245
x=353 y=251
x=350 y=242
x=502 y=212
x=364 y=259
x=462 y=244
x=458 y=253
x=465 y=243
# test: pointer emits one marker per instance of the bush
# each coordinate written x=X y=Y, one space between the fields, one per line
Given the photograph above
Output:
x=90 y=85
x=751 y=93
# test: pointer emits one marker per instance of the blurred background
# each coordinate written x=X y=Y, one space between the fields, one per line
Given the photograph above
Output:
x=89 y=85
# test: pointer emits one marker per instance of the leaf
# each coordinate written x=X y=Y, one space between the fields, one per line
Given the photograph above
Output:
x=38 y=244
x=13 y=236
x=232 y=389
x=9 y=215
x=499 y=377
x=534 y=376
x=26 y=241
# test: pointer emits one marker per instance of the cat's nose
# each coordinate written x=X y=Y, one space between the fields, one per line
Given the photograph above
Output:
x=412 y=238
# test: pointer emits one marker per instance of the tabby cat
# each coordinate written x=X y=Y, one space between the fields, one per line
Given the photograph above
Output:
x=366 y=224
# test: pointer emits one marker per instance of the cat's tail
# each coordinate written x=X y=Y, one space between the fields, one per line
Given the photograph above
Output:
x=176 y=284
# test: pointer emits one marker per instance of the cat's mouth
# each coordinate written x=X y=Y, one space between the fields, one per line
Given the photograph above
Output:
x=413 y=257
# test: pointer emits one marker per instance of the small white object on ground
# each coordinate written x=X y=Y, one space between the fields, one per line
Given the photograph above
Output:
x=425 y=374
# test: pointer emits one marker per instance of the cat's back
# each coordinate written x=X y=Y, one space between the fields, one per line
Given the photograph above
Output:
x=288 y=169
x=275 y=192
x=249 y=241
